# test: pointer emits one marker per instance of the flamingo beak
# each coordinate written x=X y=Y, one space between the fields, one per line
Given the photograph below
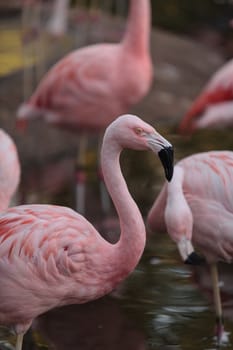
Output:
x=188 y=254
x=166 y=155
x=164 y=149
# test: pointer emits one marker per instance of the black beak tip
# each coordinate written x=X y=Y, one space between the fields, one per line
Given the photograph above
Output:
x=195 y=259
x=169 y=175
x=166 y=156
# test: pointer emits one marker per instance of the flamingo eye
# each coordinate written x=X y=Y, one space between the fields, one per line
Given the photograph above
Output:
x=138 y=131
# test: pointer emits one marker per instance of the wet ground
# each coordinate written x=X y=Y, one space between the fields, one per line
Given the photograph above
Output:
x=163 y=304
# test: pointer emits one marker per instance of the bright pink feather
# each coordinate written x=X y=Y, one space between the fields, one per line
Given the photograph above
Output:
x=218 y=91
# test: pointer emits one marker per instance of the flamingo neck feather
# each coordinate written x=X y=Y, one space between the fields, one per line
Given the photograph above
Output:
x=132 y=239
x=137 y=33
x=176 y=184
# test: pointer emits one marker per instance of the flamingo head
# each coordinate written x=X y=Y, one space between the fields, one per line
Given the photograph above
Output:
x=129 y=131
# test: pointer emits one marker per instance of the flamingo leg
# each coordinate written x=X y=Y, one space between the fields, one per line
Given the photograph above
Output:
x=19 y=341
x=217 y=302
x=32 y=47
x=39 y=49
x=80 y=191
x=27 y=76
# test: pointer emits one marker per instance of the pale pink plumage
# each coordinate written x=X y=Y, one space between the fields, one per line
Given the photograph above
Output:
x=213 y=108
x=52 y=256
x=197 y=206
x=10 y=169
x=91 y=86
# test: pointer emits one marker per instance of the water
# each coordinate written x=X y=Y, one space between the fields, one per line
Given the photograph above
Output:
x=163 y=304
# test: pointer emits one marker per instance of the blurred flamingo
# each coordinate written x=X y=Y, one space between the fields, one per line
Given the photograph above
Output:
x=213 y=108
x=57 y=24
x=10 y=169
x=34 y=43
x=52 y=256
x=33 y=48
x=91 y=86
x=198 y=205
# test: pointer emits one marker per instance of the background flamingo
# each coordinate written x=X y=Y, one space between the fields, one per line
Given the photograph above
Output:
x=10 y=169
x=35 y=46
x=198 y=205
x=58 y=22
x=52 y=256
x=91 y=86
x=213 y=108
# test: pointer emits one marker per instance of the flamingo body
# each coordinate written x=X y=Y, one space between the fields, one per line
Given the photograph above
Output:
x=102 y=80
x=52 y=249
x=10 y=169
x=78 y=86
x=198 y=204
x=213 y=108
x=52 y=256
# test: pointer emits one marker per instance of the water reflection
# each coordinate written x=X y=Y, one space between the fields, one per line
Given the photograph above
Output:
x=98 y=325
x=201 y=276
x=174 y=311
x=43 y=181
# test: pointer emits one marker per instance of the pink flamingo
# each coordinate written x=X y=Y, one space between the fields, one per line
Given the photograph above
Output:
x=10 y=169
x=198 y=205
x=91 y=86
x=213 y=108
x=52 y=256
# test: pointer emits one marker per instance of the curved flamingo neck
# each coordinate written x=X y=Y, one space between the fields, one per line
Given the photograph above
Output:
x=137 y=34
x=176 y=184
x=131 y=244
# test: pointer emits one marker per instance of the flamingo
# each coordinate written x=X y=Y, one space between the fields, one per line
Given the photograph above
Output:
x=213 y=108
x=57 y=24
x=198 y=205
x=91 y=86
x=52 y=256
x=10 y=169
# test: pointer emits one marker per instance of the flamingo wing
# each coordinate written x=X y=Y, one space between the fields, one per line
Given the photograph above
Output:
x=219 y=89
x=212 y=231
x=41 y=231
x=44 y=258
x=78 y=81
